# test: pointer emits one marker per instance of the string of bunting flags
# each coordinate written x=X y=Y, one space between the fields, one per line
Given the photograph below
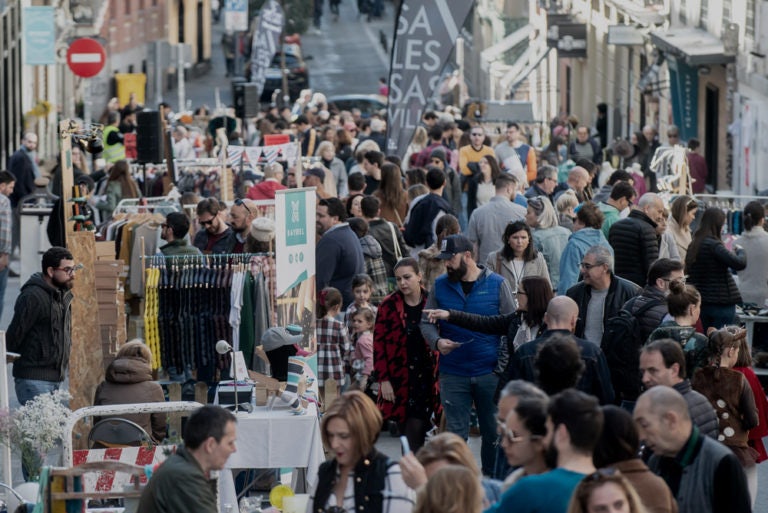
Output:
x=249 y=156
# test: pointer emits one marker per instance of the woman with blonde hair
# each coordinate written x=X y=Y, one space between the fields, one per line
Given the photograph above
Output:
x=326 y=150
x=446 y=449
x=419 y=142
x=452 y=489
x=128 y=380
x=350 y=428
x=605 y=490
x=566 y=205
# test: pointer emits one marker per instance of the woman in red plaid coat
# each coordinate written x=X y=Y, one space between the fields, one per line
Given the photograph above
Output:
x=402 y=359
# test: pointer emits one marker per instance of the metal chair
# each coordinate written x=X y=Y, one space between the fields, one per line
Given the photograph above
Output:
x=117 y=432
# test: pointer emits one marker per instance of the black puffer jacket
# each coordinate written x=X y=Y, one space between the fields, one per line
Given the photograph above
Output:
x=651 y=318
x=708 y=270
x=619 y=292
x=635 y=246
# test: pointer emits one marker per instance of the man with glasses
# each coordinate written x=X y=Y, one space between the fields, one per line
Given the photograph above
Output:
x=634 y=239
x=40 y=329
x=545 y=183
x=600 y=295
x=240 y=216
x=470 y=155
x=174 y=231
x=214 y=237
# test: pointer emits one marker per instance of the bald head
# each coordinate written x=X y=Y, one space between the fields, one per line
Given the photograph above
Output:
x=562 y=313
x=578 y=178
x=662 y=399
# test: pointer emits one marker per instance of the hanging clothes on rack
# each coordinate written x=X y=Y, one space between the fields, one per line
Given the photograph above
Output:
x=195 y=301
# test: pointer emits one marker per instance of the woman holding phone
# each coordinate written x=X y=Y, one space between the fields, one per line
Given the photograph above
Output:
x=403 y=361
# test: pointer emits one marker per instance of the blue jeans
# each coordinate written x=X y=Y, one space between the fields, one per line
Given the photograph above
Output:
x=457 y=394
x=717 y=316
x=3 y=283
x=28 y=389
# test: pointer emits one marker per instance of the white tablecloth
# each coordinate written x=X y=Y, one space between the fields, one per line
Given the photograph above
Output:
x=274 y=439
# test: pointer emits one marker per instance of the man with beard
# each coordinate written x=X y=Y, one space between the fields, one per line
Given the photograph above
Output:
x=338 y=254
x=574 y=424
x=173 y=231
x=40 y=329
x=468 y=358
x=215 y=237
x=240 y=217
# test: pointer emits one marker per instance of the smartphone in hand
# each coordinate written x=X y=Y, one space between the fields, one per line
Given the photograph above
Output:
x=406 y=447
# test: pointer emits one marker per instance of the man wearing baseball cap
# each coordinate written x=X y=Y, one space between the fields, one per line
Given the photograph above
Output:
x=315 y=177
x=468 y=358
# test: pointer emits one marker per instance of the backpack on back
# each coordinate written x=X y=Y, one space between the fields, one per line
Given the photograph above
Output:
x=621 y=344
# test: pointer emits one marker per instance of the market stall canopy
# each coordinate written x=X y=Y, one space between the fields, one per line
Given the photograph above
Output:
x=695 y=46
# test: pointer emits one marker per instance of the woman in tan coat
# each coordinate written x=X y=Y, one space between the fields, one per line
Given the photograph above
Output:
x=128 y=380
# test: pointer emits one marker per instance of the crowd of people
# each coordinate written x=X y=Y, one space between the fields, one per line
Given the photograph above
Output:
x=584 y=328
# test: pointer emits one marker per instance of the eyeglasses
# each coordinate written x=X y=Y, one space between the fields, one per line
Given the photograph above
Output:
x=513 y=438
x=241 y=203
x=69 y=270
x=588 y=266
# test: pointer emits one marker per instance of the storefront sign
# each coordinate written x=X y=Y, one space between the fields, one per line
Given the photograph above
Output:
x=570 y=39
x=39 y=35
x=426 y=34
x=684 y=86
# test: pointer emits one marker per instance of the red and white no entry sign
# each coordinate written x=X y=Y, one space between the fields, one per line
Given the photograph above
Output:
x=86 y=57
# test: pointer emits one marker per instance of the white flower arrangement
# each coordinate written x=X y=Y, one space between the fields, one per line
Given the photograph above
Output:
x=35 y=428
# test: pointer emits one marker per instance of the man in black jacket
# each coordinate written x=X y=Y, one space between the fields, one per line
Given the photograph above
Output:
x=562 y=314
x=40 y=329
x=420 y=230
x=662 y=272
x=600 y=295
x=634 y=240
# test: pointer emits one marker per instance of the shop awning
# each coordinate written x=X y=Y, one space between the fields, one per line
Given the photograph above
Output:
x=644 y=14
x=695 y=46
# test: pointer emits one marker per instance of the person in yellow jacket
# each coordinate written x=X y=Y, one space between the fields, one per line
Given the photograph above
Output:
x=114 y=149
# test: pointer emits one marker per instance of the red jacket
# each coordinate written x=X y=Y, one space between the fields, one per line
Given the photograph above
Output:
x=264 y=190
x=757 y=433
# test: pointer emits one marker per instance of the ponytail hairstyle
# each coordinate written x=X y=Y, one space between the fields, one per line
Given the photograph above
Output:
x=327 y=299
x=680 y=297
x=753 y=213
x=719 y=341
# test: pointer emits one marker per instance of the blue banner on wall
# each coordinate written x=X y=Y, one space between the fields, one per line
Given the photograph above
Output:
x=39 y=35
x=684 y=85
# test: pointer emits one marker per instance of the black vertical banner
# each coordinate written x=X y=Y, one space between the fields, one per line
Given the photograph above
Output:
x=425 y=34
x=266 y=42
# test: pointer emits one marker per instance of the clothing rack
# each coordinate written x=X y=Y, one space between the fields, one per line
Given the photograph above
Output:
x=143 y=205
x=193 y=301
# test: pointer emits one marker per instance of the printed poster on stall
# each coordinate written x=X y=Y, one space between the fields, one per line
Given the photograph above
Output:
x=295 y=261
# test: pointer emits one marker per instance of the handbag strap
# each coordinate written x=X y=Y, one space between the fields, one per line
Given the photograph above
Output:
x=398 y=253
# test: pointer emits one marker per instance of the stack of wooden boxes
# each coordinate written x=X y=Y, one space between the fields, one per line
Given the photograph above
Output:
x=110 y=294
